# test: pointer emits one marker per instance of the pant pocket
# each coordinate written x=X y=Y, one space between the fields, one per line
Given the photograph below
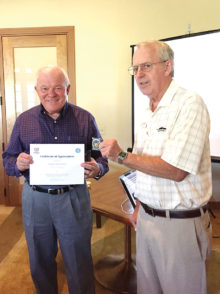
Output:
x=27 y=204
x=203 y=229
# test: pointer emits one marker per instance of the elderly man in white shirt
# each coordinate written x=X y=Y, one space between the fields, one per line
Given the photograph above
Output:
x=172 y=157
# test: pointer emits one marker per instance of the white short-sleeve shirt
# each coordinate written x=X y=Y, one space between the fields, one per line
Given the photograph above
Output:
x=178 y=132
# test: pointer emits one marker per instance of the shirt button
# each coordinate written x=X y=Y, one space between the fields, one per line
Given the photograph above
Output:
x=55 y=138
x=55 y=121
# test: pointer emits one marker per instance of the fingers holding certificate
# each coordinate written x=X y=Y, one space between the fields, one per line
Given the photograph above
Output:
x=91 y=169
x=57 y=164
x=23 y=161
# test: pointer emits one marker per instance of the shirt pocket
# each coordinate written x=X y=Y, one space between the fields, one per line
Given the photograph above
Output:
x=155 y=142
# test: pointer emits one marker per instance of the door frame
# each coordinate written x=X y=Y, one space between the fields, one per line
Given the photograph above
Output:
x=69 y=31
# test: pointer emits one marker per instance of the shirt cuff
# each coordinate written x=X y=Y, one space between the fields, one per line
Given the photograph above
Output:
x=100 y=173
x=18 y=173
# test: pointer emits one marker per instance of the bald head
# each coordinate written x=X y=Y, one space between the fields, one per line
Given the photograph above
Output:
x=52 y=87
x=53 y=71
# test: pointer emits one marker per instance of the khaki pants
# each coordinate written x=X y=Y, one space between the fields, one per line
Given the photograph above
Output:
x=171 y=254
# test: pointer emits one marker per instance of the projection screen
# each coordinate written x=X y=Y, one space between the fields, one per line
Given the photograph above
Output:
x=196 y=67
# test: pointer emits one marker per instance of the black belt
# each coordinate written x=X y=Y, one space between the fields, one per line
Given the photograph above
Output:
x=174 y=213
x=52 y=191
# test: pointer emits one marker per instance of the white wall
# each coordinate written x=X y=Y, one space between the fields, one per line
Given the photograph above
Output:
x=105 y=29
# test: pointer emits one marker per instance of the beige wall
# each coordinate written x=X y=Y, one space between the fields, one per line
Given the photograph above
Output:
x=105 y=29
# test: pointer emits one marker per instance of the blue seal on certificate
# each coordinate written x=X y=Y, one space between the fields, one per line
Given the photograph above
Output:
x=78 y=150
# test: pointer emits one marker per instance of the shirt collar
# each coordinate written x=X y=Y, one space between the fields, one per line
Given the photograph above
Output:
x=62 y=112
x=169 y=94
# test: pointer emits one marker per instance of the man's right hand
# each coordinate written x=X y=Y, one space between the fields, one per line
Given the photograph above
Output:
x=133 y=218
x=23 y=161
x=110 y=149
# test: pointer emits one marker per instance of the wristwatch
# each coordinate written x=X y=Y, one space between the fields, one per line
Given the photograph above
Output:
x=121 y=156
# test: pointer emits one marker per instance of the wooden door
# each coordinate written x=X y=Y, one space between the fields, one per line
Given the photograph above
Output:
x=22 y=55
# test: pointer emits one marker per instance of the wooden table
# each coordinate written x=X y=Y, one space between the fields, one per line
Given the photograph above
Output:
x=117 y=273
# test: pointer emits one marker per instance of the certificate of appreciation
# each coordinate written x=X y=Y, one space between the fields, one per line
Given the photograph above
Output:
x=57 y=164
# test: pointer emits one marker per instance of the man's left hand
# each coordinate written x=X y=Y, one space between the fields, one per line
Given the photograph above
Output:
x=91 y=168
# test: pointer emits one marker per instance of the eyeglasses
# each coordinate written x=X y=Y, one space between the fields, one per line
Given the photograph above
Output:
x=144 y=67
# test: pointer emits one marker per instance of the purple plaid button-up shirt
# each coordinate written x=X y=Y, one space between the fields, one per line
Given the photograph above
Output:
x=74 y=125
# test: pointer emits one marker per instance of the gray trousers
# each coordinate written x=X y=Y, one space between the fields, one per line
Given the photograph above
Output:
x=67 y=218
x=171 y=254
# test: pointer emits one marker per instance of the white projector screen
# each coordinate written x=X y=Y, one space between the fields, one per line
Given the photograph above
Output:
x=196 y=67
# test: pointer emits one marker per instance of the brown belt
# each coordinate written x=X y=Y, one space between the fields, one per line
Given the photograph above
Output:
x=174 y=213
